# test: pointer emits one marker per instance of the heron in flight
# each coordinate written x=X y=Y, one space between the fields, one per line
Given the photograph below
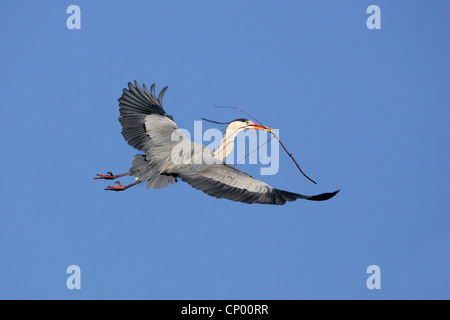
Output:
x=149 y=129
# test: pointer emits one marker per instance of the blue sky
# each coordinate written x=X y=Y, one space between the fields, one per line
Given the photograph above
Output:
x=364 y=111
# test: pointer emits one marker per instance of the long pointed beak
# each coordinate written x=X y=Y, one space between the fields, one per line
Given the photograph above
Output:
x=257 y=126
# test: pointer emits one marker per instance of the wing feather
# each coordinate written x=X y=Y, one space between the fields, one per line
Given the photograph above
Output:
x=137 y=107
x=225 y=181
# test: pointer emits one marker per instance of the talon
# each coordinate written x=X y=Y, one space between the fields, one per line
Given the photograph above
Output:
x=114 y=188
x=108 y=176
x=120 y=187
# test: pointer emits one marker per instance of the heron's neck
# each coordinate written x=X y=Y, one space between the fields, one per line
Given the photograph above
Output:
x=226 y=146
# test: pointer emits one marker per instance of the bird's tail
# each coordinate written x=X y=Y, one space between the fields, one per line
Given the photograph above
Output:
x=143 y=171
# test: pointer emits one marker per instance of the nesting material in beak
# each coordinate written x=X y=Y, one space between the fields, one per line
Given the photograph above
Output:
x=257 y=126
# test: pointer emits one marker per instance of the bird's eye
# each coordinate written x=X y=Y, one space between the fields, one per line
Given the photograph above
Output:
x=247 y=122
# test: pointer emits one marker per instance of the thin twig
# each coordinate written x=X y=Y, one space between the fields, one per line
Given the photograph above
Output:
x=290 y=155
x=231 y=107
x=248 y=154
x=281 y=143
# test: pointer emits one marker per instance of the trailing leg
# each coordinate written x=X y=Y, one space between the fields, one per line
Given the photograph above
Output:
x=111 y=176
x=120 y=187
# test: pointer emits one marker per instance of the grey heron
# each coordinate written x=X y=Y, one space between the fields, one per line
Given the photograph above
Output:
x=149 y=129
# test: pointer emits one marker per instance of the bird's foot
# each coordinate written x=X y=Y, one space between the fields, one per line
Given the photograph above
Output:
x=120 y=187
x=110 y=176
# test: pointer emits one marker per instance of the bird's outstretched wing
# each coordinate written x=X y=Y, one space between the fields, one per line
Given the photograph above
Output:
x=225 y=181
x=140 y=112
x=148 y=128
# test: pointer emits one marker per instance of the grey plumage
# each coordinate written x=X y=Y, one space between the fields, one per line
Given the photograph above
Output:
x=148 y=128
